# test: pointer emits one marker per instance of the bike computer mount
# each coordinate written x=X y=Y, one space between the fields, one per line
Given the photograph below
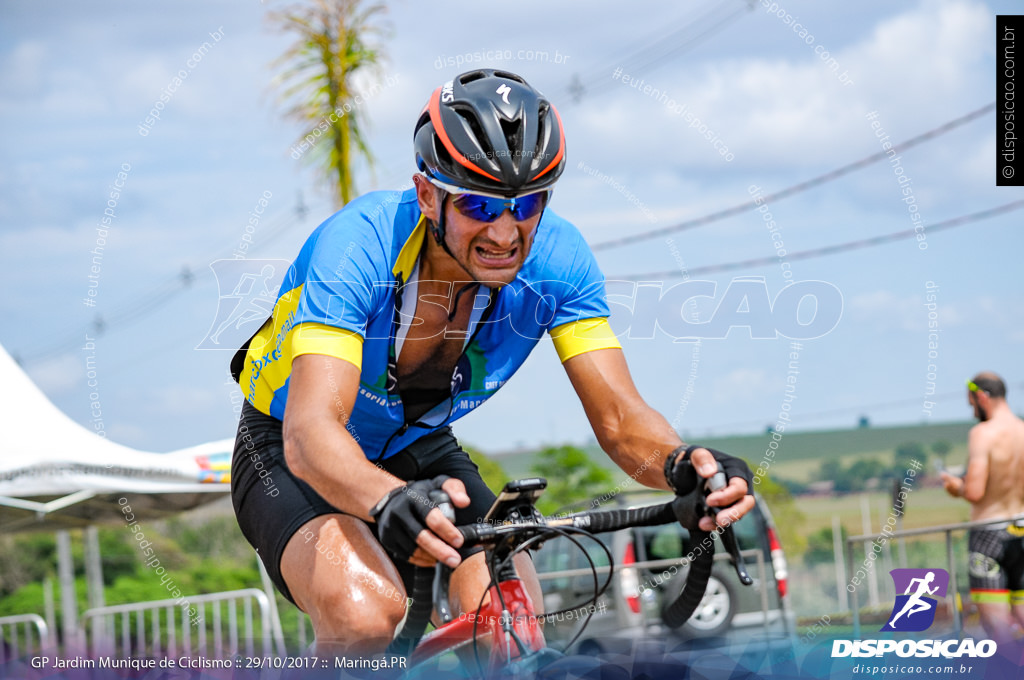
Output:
x=516 y=501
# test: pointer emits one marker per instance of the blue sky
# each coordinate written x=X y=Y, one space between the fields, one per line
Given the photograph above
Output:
x=76 y=83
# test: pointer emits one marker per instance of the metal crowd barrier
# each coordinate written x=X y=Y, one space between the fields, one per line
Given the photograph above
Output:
x=946 y=529
x=14 y=645
x=224 y=625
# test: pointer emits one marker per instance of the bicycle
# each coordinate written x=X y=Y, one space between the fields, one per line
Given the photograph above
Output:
x=513 y=525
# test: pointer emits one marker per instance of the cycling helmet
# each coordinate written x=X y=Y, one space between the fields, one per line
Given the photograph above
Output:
x=489 y=132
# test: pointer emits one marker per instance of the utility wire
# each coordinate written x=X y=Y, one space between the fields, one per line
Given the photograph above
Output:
x=151 y=301
x=865 y=409
x=798 y=188
x=656 y=52
x=828 y=250
x=638 y=61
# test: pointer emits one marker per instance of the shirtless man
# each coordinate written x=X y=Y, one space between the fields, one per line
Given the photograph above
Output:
x=994 y=486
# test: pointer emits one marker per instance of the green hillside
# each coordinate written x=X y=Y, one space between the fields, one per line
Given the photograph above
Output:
x=799 y=453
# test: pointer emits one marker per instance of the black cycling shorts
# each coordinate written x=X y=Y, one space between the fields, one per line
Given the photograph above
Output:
x=996 y=563
x=271 y=503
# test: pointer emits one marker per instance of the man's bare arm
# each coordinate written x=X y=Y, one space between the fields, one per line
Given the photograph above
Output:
x=320 y=450
x=634 y=435
x=976 y=479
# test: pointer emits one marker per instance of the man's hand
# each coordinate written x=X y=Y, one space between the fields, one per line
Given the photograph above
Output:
x=735 y=494
x=412 y=527
x=954 y=486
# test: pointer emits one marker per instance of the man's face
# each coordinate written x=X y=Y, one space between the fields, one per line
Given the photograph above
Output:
x=491 y=252
x=974 y=399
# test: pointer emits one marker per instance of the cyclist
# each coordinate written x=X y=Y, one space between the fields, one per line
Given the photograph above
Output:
x=403 y=312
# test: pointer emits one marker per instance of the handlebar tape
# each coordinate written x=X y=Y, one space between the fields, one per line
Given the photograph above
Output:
x=613 y=520
x=419 y=613
x=681 y=608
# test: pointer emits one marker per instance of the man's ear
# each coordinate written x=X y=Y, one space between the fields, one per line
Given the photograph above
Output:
x=427 y=196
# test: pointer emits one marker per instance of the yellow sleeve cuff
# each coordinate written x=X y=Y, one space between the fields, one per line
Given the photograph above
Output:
x=318 y=338
x=586 y=335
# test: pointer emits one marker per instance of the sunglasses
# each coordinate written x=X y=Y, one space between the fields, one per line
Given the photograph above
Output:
x=489 y=208
x=973 y=387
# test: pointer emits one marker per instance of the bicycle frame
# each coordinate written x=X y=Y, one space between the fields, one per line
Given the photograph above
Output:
x=487 y=622
x=508 y=616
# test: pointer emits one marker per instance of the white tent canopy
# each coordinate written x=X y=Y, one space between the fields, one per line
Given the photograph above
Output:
x=55 y=473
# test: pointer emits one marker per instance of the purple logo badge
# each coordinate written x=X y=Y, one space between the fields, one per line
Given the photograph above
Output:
x=914 y=610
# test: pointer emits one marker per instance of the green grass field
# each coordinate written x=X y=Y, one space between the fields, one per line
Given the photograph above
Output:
x=800 y=453
x=925 y=506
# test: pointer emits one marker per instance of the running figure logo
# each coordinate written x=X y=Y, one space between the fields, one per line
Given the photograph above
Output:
x=915 y=608
x=247 y=290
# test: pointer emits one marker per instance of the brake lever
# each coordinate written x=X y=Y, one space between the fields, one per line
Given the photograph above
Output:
x=714 y=483
x=442 y=502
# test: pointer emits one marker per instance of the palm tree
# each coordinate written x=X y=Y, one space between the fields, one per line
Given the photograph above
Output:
x=329 y=51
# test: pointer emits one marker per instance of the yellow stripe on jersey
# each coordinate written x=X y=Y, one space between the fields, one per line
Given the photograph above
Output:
x=586 y=335
x=317 y=338
x=406 y=260
x=268 y=363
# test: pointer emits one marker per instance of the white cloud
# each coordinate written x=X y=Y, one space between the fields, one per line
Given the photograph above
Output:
x=57 y=375
x=882 y=310
x=741 y=385
x=915 y=68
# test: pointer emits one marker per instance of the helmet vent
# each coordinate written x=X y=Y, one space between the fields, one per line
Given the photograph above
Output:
x=469 y=118
x=510 y=76
x=441 y=153
x=513 y=131
x=467 y=78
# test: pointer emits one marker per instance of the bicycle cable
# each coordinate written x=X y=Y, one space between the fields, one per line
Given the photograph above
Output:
x=589 y=604
x=544 y=533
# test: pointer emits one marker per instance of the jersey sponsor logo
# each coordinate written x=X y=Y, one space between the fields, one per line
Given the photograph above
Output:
x=981 y=565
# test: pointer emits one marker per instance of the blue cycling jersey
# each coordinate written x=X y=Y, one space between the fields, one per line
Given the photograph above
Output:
x=351 y=294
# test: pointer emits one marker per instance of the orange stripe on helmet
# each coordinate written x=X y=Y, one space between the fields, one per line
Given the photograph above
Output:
x=442 y=134
x=561 y=144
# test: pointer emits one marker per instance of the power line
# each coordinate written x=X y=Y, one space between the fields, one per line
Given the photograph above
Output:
x=864 y=409
x=798 y=188
x=656 y=51
x=151 y=301
x=828 y=250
